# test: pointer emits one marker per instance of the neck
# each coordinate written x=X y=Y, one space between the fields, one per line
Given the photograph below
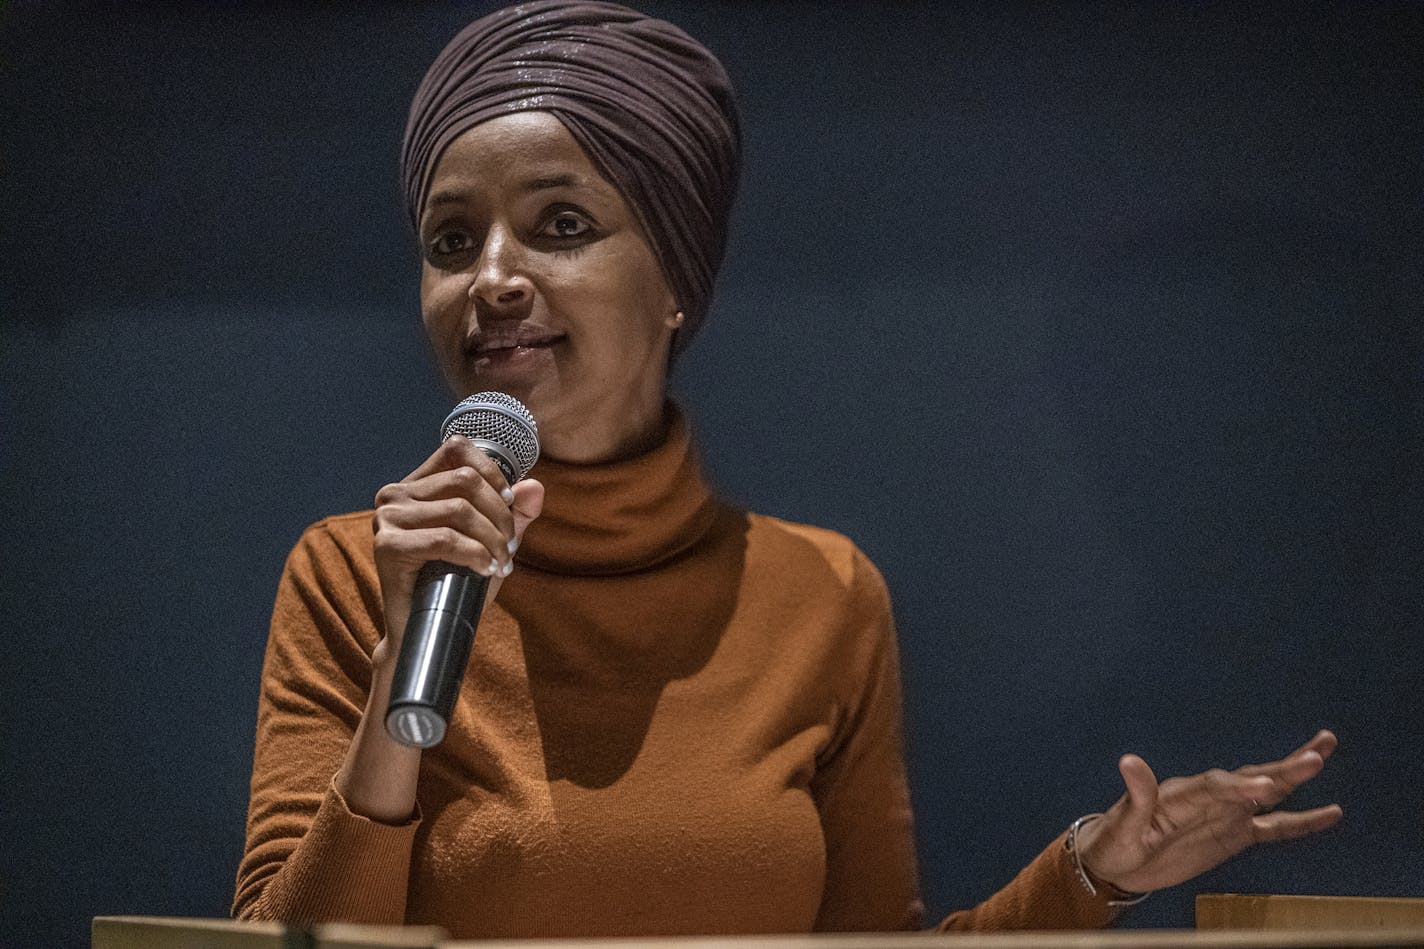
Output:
x=620 y=516
x=579 y=441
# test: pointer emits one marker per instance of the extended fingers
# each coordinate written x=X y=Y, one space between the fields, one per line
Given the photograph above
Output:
x=1285 y=825
x=1321 y=746
x=1206 y=797
x=1294 y=769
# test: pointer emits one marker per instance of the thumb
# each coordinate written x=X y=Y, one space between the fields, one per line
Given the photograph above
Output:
x=528 y=503
x=1141 y=786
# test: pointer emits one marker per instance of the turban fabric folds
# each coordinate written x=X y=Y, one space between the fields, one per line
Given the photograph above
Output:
x=649 y=105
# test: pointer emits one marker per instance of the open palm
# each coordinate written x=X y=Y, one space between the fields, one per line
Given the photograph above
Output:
x=1158 y=835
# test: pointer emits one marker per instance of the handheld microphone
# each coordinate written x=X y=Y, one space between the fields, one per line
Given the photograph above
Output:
x=447 y=600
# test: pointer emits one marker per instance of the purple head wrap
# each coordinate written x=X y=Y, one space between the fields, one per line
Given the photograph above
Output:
x=651 y=107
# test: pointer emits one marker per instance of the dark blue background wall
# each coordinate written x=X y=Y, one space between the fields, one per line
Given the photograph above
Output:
x=1097 y=326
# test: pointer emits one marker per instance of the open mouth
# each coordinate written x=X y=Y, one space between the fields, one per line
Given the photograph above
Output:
x=497 y=347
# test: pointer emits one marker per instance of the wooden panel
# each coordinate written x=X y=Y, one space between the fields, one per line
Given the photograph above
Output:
x=1265 y=911
x=165 y=932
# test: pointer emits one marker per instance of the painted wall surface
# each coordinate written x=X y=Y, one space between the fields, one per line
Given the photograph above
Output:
x=1097 y=326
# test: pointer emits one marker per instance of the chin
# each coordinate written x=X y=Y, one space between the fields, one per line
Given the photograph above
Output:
x=537 y=397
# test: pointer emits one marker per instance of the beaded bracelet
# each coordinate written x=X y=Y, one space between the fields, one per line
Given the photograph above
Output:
x=1070 y=844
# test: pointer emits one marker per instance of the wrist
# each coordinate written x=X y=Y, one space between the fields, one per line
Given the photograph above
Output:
x=1077 y=843
x=384 y=656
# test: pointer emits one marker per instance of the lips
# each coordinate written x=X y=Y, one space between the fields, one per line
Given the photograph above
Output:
x=494 y=341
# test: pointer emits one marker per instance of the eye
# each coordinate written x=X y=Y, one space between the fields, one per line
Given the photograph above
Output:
x=566 y=225
x=451 y=242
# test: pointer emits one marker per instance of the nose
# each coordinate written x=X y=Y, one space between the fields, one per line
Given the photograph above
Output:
x=500 y=282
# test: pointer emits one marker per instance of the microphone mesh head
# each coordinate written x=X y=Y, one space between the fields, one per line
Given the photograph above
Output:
x=500 y=420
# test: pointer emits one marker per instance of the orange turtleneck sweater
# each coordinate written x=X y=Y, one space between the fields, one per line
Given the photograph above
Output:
x=678 y=718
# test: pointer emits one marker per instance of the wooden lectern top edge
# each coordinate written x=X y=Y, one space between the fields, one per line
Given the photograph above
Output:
x=1412 y=938
x=152 y=932
x=163 y=932
x=1289 y=912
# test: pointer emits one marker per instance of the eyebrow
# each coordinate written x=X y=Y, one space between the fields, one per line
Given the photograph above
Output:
x=552 y=181
x=533 y=184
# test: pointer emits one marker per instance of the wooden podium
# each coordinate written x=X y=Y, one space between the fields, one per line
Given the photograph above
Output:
x=1359 y=913
x=1225 y=921
x=172 y=932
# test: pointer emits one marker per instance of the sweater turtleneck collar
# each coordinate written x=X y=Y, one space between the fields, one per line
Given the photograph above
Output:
x=623 y=516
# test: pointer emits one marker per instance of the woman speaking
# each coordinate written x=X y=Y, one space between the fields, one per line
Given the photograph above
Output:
x=678 y=716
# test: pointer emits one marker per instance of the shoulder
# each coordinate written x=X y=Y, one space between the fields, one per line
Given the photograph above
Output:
x=329 y=588
x=350 y=531
x=343 y=528
x=338 y=545
x=809 y=552
x=827 y=605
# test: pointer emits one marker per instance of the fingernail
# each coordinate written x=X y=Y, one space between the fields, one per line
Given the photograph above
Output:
x=508 y=495
x=507 y=569
x=494 y=568
x=513 y=545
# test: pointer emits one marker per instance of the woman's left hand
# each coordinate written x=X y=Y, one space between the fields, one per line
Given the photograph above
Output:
x=1156 y=836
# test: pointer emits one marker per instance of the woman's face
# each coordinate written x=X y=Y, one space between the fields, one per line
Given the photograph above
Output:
x=537 y=281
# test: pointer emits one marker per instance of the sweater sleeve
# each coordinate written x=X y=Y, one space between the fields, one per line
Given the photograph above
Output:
x=307 y=857
x=1045 y=894
x=863 y=799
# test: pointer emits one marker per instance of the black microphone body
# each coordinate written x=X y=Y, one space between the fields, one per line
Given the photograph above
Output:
x=434 y=652
x=447 y=600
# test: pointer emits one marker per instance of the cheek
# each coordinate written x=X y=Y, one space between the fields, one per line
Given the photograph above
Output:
x=628 y=327
x=441 y=303
x=636 y=299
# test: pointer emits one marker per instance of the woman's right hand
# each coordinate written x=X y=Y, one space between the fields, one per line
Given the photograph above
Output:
x=455 y=507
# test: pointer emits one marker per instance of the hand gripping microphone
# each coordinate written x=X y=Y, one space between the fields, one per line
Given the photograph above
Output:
x=446 y=604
